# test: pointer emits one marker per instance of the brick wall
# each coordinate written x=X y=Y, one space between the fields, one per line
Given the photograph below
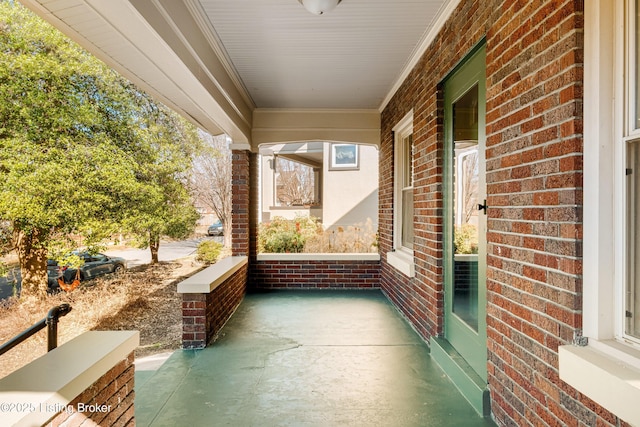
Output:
x=204 y=315
x=315 y=274
x=534 y=185
x=254 y=207
x=108 y=402
x=421 y=299
x=534 y=182
x=244 y=205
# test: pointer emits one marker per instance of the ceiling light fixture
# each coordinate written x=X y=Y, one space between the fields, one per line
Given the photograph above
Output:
x=319 y=7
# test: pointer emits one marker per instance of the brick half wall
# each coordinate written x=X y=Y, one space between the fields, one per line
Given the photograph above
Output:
x=204 y=314
x=107 y=402
x=315 y=274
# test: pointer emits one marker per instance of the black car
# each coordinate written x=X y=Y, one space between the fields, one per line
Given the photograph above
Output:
x=215 y=229
x=94 y=265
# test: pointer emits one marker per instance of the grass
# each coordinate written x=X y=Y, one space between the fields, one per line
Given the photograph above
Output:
x=145 y=300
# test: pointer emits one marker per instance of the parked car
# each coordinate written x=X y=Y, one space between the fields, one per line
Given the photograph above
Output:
x=53 y=272
x=94 y=265
x=215 y=229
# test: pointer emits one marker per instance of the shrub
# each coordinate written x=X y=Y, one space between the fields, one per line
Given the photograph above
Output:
x=465 y=239
x=284 y=242
x=208 y=251
x=282 y=235
x=358 y=238
x=305 y=234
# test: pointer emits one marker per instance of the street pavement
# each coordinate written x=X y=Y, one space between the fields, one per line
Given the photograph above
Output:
x=168 y=251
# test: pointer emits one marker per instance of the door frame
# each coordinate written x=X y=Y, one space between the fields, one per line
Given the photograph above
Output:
x=470 y=344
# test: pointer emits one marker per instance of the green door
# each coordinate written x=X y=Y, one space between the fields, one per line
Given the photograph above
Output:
x=465 y=221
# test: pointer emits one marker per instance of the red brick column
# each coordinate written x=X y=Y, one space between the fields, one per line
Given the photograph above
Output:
x=254 y=208
x=194 y=320
x=240 y=195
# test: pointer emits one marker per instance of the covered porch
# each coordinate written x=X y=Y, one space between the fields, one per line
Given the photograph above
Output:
x=305 y=358
x=546 y=89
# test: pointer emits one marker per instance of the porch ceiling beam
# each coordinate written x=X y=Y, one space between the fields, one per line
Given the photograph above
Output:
x=302 y=160
x=272 y=125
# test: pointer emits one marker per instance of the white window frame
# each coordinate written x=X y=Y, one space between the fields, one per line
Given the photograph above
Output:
x=401 y=257
x=603 y=364
x=607 y=130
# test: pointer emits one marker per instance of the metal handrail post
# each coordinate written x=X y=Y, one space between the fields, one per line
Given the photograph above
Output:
x=52 y=324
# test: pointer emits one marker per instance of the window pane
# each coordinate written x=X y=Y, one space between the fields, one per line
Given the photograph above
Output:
x=407 y=154
x=465 y=207
x=407 y=218
x=636 y=61
x=632 y=294
x=295 y=184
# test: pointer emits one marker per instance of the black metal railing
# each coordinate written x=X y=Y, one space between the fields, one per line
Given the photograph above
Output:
x=50 y=322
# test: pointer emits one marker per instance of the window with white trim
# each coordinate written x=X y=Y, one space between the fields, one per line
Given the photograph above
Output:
x=611 y=242
x=612 y=172
x=402 y=255
x=404 y=185
x=630 y=147
x=405 y=190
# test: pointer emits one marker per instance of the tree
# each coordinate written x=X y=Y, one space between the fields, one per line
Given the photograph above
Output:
x=294 y=183
x=469 y=185
x=168 y=210
x=82 y=150
x=211 y=179
x=5 y=244
x=63 y=118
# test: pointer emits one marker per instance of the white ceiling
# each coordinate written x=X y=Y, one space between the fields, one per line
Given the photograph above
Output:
x=230 y=64
x=347 y=58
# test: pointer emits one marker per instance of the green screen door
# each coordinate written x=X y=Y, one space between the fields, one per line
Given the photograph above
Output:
x=465 y=221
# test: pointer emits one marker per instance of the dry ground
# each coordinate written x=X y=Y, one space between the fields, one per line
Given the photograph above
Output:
x=145 y=300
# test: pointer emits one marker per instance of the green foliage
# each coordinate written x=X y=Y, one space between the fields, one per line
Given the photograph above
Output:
x=208 y=251
x=5 y=244
x=168 y=209
x=465 y=239
x=82 y=150
x=71 y=260
x=284 y=242
x=282 y=235
x=305 y=234
x=67 y=152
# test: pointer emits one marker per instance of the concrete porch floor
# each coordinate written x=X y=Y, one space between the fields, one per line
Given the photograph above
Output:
x=307 y=358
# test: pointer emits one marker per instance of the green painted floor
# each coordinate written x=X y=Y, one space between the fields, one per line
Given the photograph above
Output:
x=307 y=358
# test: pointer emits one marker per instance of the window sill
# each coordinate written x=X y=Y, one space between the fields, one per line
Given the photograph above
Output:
x=294 y=207
x=608 y=372
x=403 y=262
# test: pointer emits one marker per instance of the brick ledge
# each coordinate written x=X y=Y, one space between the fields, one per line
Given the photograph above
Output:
x=58 y=377
x=211 y=277
x=320 y=257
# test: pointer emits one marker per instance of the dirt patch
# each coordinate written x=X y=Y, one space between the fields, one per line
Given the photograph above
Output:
x=144 y=299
